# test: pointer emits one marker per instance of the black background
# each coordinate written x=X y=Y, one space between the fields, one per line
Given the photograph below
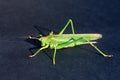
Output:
x=19 y=18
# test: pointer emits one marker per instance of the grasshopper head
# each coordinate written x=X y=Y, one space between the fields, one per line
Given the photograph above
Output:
x=44 y=40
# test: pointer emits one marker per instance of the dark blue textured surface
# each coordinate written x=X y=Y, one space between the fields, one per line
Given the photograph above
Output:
x=19 y=17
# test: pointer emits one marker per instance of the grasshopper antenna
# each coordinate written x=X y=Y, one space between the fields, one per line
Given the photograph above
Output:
x=30 y=37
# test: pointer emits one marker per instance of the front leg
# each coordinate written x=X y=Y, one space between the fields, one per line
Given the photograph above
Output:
x=38 y=51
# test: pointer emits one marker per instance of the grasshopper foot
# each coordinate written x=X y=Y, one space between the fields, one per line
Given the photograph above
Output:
x=29 y=37
x=54 y=63
x=108 y=56
x=31 y=55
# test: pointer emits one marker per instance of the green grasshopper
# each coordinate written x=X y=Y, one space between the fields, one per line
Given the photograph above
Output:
x=59 y=41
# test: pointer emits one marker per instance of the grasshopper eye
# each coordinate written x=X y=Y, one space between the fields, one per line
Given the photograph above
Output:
x=40 y=35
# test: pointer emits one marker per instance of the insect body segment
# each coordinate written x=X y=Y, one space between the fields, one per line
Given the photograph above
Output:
x=59 y=41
